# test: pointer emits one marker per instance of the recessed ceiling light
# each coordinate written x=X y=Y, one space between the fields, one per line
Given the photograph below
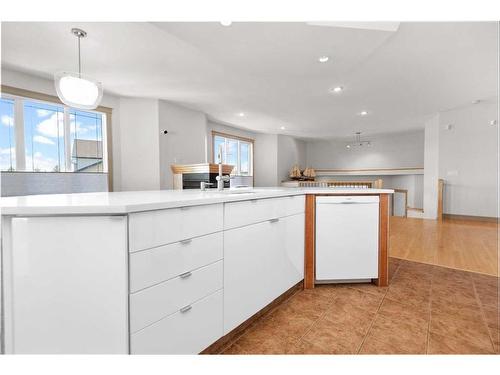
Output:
x=337 y=89
x=363 y=113
x=282 y=128
x=241 y=114
x=226 y=23
x=323 y=59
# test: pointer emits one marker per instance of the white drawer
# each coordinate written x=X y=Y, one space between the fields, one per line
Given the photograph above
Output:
x=152 y=304
x=186 y=332
x=156 y=228
x=155 y=265
x=238 y=214
x=295 y=204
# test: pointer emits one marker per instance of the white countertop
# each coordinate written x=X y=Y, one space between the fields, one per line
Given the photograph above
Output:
x=135 y=201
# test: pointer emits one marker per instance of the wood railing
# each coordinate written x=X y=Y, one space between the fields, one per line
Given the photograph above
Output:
x=377 y=184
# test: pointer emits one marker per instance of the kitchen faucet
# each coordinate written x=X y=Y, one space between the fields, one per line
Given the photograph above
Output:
x=220 y=178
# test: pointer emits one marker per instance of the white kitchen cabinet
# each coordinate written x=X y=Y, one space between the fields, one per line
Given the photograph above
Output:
x=156 y=228
x=188 y=331
x=155 y=265
x=261 y=262
x=152 y=304
x=66 y=287
x=165 y=281
x=252 y=211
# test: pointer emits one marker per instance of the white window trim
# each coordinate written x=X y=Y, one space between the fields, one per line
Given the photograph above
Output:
x=239 y=140
x=19 y=127
x=19 y=134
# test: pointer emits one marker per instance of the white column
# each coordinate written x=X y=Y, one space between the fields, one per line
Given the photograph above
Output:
x=431 y=167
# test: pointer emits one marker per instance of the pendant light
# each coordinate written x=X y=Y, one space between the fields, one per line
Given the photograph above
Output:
x=358 y=143
x=75 y=89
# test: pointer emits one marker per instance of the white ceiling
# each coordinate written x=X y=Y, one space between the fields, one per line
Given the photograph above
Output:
x=270 y=71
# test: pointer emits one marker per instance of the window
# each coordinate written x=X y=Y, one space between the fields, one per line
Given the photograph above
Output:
x=236 y=151
x=51 y=137
x=43 y=137
x=86 y=141
x=7 y=135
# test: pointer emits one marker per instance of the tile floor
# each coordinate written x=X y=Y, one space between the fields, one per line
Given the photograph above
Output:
x=426 y=309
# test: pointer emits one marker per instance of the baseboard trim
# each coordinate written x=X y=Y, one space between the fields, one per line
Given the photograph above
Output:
x=489 y=219
x=225 y=341
x=415 y=209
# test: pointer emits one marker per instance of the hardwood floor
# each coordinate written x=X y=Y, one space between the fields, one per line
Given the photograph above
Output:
x=425 y=310
x=460 y=244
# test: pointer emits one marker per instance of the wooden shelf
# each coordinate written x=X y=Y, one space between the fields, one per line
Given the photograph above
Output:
x=200 y=168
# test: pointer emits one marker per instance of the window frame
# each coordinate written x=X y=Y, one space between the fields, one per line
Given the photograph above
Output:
x=19 y=95
x=239 y=139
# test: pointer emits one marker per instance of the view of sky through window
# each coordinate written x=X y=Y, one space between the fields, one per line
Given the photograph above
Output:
x=234 y=152
x=7 y=135
x=44 y=138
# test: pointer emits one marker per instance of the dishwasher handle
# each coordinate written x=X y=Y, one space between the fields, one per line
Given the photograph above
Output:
x=360 y=199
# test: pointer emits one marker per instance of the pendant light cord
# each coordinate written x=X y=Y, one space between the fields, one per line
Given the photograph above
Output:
x=79 y=59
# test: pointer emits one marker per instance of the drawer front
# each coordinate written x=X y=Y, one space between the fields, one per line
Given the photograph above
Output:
x=238 y=214
x=295 y=204
x=186 y=332
x=150 y=267
x=157 y=228
x=152 y=304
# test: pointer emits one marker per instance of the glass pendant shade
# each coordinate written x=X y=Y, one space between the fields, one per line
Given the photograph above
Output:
x=78 y=91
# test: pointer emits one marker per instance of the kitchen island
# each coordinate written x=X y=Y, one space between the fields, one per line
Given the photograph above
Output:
x=156 y=271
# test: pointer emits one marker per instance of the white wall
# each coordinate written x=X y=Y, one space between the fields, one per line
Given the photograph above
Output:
x=140 y=144
x=186 y=141
x=431 y=167
x=291 y=151
x=396 y=150
x=468 y=159
x=266 y=160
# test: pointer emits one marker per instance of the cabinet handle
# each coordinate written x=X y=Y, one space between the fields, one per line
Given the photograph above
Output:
x=274 y=220
x=185 y=242
x=185 y=275
x=253 y=200
x=186 y=308
x=184 y=208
